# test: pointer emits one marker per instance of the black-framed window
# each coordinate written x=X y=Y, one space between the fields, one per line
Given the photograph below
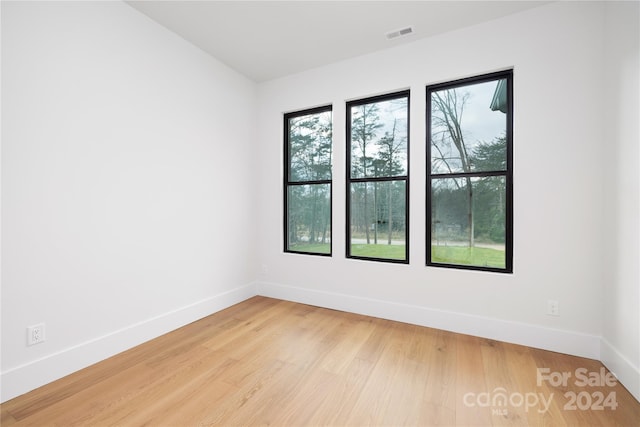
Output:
x=378 y=178
x=307 y=181
x=469 y=173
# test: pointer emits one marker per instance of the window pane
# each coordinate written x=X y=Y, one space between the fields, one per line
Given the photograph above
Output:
x=378 y=215
x=310 y=147
x=469 y=221
x=468 y=128
x=309 y=218
x=379 y=136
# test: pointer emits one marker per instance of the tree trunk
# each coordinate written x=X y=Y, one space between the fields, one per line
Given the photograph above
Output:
x=390 y=219
x=364 y=214
x=470 y=213
x=375 y=213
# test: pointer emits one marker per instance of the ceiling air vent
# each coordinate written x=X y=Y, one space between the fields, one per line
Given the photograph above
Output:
x=399 y=33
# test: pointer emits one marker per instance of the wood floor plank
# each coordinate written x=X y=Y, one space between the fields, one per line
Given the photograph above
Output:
x=173 y=392
x=499 y=382
x=271 y=362
x=470 y=382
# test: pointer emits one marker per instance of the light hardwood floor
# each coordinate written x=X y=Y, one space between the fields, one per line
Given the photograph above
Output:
x=271 y=362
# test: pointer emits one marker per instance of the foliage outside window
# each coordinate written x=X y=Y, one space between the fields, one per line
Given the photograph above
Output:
x=469 y=181
x=307 y=187
x=378 y=178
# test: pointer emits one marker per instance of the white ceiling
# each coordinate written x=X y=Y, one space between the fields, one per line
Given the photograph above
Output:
x=269 y=39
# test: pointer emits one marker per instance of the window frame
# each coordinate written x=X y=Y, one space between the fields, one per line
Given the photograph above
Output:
x=508 y=173
x=289 y=183
x=349 y=180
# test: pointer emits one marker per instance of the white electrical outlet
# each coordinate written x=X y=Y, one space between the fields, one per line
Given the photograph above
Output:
x=553 y=308
x=35 y=334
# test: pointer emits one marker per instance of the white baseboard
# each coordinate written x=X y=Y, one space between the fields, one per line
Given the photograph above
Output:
x=627 y=373
x=561 y=341
x=29 y=376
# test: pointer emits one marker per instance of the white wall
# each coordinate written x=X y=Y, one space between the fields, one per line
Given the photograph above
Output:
x=556 y=52
x=621 y=139
x=127 y=207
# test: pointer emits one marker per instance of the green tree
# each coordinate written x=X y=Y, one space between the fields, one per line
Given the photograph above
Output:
x=389 y=163
x=447 y=112
x=365 y=123
x=490 y=155
x=310 y=151
x=491 y=191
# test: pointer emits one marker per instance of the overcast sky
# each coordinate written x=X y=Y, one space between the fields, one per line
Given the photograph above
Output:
x=479 y=122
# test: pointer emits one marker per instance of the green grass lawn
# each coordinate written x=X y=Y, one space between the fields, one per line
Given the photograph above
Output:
x=482 y=257
x=378 y=251
x=316 y=248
